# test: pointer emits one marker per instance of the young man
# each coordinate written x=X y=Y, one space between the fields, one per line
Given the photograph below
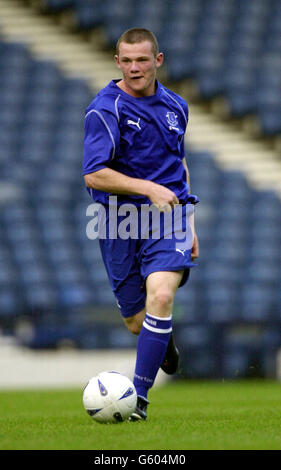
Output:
x=134 y=150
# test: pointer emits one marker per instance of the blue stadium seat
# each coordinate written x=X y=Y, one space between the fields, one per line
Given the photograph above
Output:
x=229 y=229
x=44 y=73
x=243 y=351
x=10 y=302
x=42 y=296
x=24 y=253
x=62 y=251
x=48 y=263
x=8 y=275
x=197 y=358
x=270 y=121
x=119 y=338
x=229 y=252
x=260 y=271
x=188 y=304
x=75 y=294
x=14 y=56
x=267 y=233
x=89 y=13
x=70 y=271
x=21 y=232
x=98 y=275
x=58 y=231
x=220 y=271
x=105 y=296
x=54 y=192
x=215 y=43
x=34 y=272
x=266 y=253
x=222 y=300
x=258 y=301
x=238 y=364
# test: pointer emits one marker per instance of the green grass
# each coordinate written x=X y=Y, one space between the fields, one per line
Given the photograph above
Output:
x=182 y=415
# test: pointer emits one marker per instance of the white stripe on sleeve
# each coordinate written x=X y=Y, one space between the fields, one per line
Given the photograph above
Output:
x=107 y=127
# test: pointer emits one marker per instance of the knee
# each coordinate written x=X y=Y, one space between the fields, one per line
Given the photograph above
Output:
x=162 y=299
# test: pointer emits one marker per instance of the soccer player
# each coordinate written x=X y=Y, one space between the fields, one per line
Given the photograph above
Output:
x=134 y=151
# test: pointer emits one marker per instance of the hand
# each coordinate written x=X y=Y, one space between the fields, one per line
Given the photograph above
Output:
x=163 y=198
x=195 y=248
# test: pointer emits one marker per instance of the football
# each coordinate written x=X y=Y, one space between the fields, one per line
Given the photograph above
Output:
x=110 y=397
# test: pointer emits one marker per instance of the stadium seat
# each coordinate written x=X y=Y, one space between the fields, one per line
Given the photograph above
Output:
x=48 y=263
x=8 y=274
x=89 y=13
x=233 y=254
x=258 y=301
x=260 y=271
x=188 y=303
x=198 y=358
x=120 y=338
x=76 y=294
x=222 y=299
x=10 y=303
x=43 y=296
x=243 y=353
x=240 y=364
x=25 y=252
x=215 y=43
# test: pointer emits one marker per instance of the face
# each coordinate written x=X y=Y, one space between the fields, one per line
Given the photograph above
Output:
x=138 y=65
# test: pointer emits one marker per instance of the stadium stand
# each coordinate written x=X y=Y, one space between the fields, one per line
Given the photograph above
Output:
x=52 y=275
x=231 y=49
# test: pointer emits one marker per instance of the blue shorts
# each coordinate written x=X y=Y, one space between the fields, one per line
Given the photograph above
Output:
x=154 y=244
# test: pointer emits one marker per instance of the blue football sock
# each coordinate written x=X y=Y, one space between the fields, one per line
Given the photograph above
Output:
x=151 y=348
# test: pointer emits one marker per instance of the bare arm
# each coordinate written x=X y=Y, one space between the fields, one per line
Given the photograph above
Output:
x=187 y=173
x=112 y=181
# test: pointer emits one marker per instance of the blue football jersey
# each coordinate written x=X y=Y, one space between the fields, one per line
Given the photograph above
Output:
x=139 y=137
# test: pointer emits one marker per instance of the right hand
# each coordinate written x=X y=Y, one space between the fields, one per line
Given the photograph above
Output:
x=163 y=198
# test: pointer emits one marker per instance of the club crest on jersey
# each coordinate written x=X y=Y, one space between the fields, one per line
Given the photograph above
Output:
x=172 y=120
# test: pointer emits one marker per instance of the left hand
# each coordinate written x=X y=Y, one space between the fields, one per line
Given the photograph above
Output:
x=195 y=248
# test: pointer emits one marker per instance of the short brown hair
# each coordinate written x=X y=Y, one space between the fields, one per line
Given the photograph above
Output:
x=135 y=35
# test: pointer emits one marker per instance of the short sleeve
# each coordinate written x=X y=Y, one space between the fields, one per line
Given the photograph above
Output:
x=101 y=140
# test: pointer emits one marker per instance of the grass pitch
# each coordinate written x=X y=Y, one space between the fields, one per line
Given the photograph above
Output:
x=182 y=415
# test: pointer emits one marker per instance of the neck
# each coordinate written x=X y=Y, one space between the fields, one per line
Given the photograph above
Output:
x=148 y=92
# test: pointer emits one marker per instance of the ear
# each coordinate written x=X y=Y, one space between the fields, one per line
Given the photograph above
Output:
x=159 y=59
x=117 y=61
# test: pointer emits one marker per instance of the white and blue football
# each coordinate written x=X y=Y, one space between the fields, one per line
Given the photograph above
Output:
x=110 y=397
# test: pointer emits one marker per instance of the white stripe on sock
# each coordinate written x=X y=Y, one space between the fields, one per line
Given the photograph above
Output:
x=156 y=330
x=159 y=318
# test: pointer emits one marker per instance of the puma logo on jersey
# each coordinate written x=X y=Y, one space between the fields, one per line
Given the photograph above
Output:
x=180 y=251
x=137 y=124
